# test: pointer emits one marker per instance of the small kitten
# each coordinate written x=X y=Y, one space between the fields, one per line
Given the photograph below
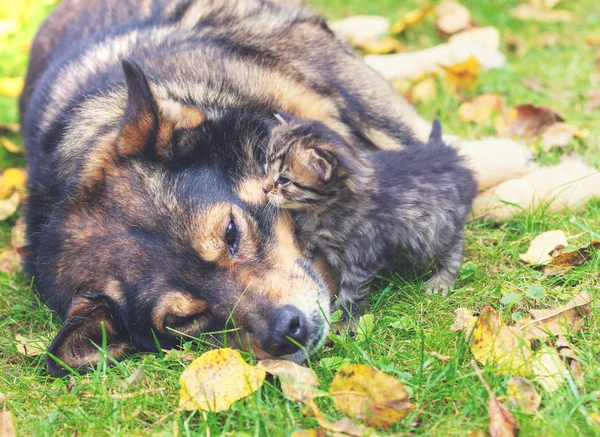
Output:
x=364 y=212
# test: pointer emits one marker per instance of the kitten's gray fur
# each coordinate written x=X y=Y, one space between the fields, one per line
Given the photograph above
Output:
x=364 y=212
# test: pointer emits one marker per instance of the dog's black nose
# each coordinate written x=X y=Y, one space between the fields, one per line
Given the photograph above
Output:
x=288 y=331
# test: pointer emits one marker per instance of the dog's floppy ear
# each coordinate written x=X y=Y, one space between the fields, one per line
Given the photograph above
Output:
x=88 y=323
x=283 y=117
x=436 y=132
x=323 y=163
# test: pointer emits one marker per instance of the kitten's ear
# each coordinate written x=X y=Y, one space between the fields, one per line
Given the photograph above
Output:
x=283 y=118
x=323 y=163
x=436 y=132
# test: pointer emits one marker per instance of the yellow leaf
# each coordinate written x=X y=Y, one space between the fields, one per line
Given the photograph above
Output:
x=593 y=40
x=480 y=109
x=9 y=205
x=10 y=146
x=424 y=91
x=13 y=179
x=541 y=247
x=309 y=433
x=11 y=86
x=368 y=394
x=528 y=12
x=10 y=261
x=298 y=383
x=411 y=18
x=380 y=46
x=218 y=378
x=522 y=395
x=463 y=74
x=30 y=347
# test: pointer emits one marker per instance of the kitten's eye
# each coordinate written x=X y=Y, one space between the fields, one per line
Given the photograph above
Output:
x=231 y=236
x=283 y=181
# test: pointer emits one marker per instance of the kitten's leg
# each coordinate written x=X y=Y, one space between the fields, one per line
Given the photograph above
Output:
x=351 y=299
x=448 y=266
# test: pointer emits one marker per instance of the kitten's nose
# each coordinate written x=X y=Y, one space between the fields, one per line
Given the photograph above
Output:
x=266 y=187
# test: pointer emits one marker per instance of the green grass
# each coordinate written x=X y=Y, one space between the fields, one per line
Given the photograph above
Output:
x=449 y=398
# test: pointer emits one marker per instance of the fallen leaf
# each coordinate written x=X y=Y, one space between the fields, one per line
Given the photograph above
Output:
x=451 y=17
x=570 y=358
x=481 y=108
x=365 y=327
x=425 y=90
x=528 y=12
x=548 y=368
x=562 y=260
x=526 y=121
x=13 y=179
x=564 y=320
x=360 y=28
x=218 y=378
x=488 y=36
x=499 y=345
x=7 y=424
x=560 y=135
x=298 y=383
x=593 y=40
x=309 y=433
x=10 y=261
x=368 y=394
x=30 y=347
x=501 y=422
x=568 y=185
x=12 y=128
x=541 y=247
x=465 y=321
x=9 y=205
x=443 y=358
x=522 y=395
x=463 y=74
x=411 y=18
x=11 y=86
x=18 y=239
x=10 y=145
x=136 y=377
x=381 y=46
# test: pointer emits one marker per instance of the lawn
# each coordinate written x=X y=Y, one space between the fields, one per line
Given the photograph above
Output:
x=408 y=325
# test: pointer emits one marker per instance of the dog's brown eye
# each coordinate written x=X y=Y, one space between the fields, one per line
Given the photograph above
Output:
x=283 y=181
x=231 y=234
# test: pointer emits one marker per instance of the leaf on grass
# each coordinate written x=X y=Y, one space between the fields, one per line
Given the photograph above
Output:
x=560 y=135
x=9 y=205
x=10 y=145
x=564 y=320
x=481 y=108
x=309 y=433
x=361 y=28
x=18 y=238
x=541 y=247
x=531 y=12
x=7 y=424
x=30 y=347
x=465 y=321
x=368 y=394
x=499 y=345
x=365 y=327
x=12 y=128
x=593 y=40
x=548 y=368
x=381 y=46
x=10 y=261
x=411 y=18
x=11 y=86
x=526 y=121
x=298 y=383
x=218 y=378
x=562 y=260
x=535 y=291
x=424 y=91
x=451 y=17
x=522 y=395
x=463 y=74
x=570 y=358
x=13 y=179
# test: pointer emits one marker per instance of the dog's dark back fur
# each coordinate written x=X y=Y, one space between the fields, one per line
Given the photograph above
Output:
x=137 y=168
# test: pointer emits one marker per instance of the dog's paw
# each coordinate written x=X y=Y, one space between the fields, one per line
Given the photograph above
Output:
x=438 y=284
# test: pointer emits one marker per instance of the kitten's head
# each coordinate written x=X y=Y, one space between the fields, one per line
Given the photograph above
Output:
x=306 y=163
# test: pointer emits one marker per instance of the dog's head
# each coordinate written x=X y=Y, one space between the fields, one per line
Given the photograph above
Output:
x=168 y=235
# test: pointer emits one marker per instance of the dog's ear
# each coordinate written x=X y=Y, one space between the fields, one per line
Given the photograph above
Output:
x=436 y=132
x=146 y=128
x=283 y=117
x=88 y=325
x=323 y=163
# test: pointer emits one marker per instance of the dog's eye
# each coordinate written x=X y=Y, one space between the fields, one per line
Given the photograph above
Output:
x=283 y=181
x=231 y=236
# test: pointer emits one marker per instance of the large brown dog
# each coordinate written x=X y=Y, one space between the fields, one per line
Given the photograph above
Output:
x=145 y=124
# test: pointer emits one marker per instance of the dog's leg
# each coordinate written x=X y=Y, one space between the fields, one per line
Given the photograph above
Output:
x=448 y=266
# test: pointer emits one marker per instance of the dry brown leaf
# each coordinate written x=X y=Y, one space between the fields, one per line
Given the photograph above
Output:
x=463 y=74
x=218 y=378
x=360 y=28
x=481 y=108
x=541 y=247
x=526 y=121
x=451 y=17
x=499 y=345
x=18 y=239
x=443 y=358
x=7 y=424
x=381 y=46
x=548 y=368
x=568 y=185
x=593 y=40
x=368 y=394
x=528 y=12
x=570 y=358
x=11 y=86
x=465 y=321
x=501 y=422
x=562 y=260
x=30 y=347
x=298 y=383
x=522 y=395
x=10 y=261
x=411 y=18
x=560 y=135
